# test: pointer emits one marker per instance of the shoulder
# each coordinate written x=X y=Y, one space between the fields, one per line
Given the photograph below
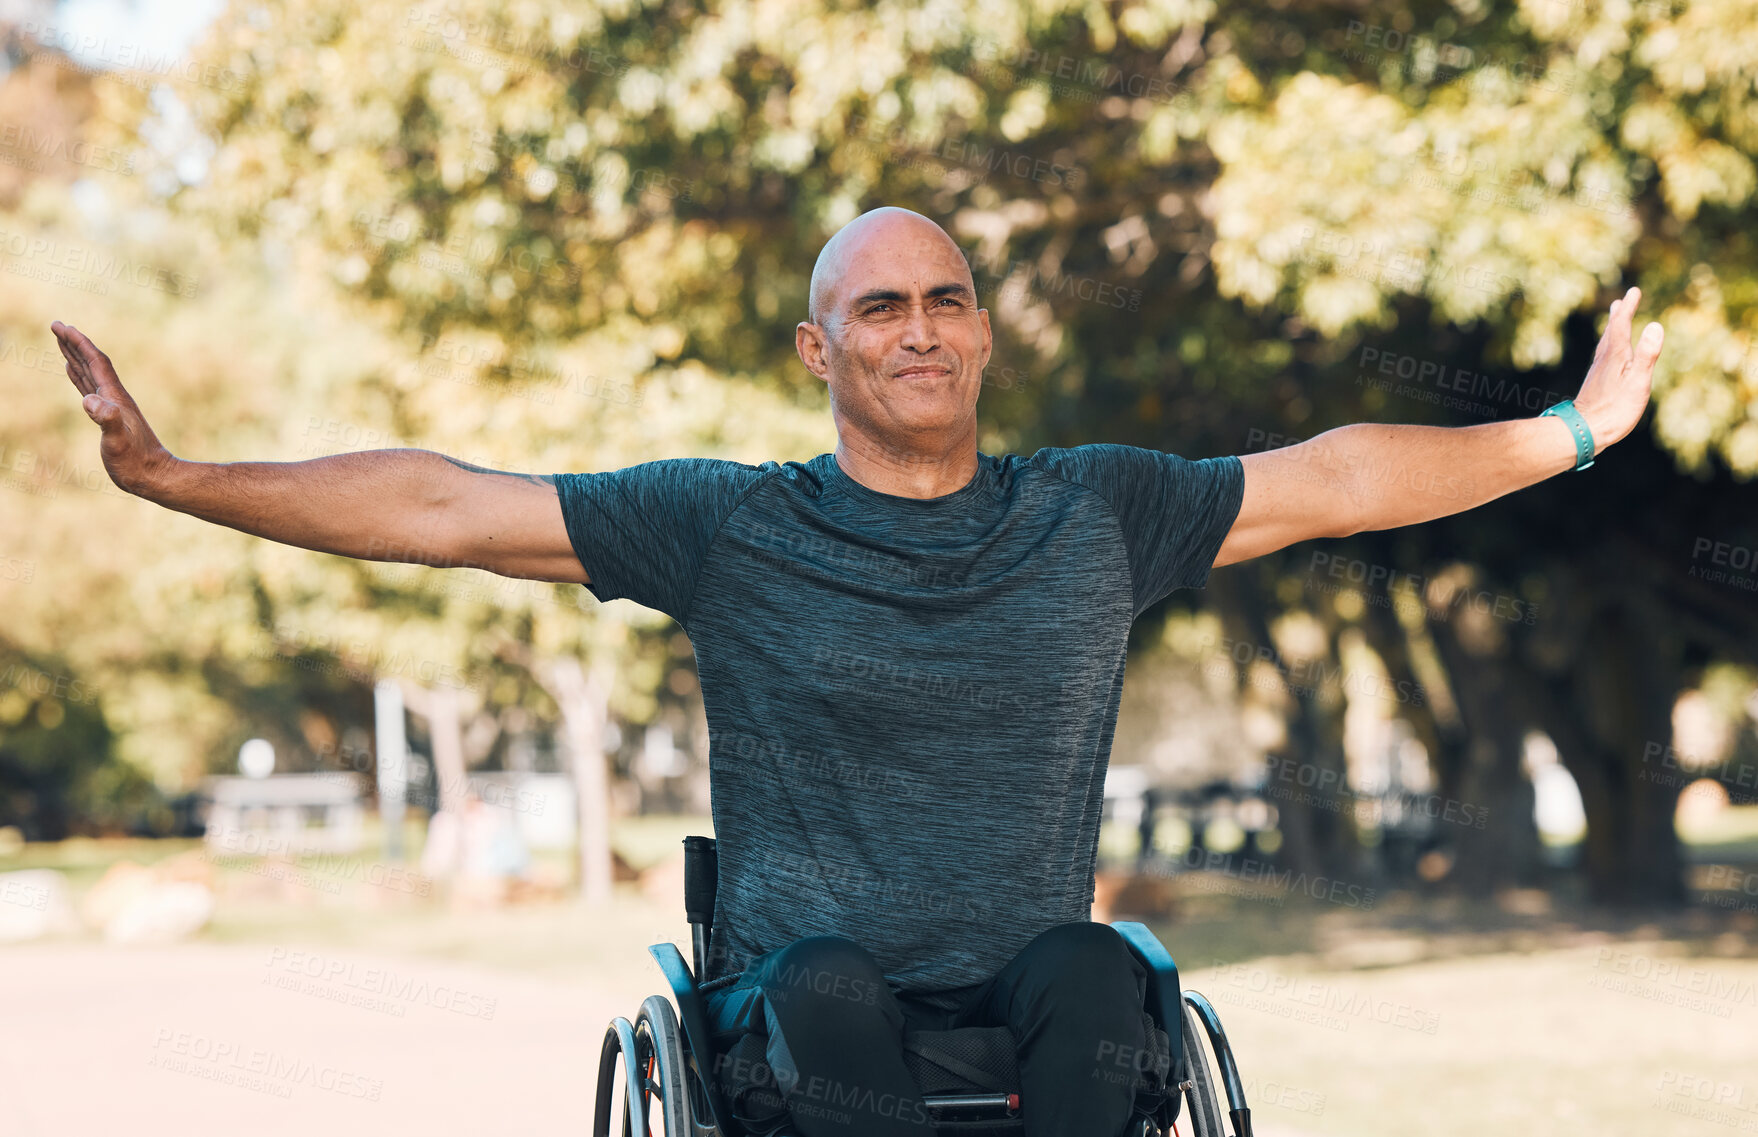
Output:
x=693 y=475
x=1097 y=461
x=1132 y=479
x=1096 y=465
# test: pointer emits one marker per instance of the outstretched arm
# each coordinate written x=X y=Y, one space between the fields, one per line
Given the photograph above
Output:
x=1370 y=476
x=379 y=505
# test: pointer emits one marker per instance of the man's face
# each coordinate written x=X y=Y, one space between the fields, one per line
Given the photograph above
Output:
x=902 y=343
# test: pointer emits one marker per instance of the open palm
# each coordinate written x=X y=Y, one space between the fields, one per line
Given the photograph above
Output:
x=131 y=452
x=1615 y=392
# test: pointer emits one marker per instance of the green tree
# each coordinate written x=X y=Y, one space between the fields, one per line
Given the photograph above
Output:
x=1194 y=222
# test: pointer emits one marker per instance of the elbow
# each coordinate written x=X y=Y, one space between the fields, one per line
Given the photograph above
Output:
x=1347 y=527
x=1352 y=510
x=1337 y=517
x=437 y=483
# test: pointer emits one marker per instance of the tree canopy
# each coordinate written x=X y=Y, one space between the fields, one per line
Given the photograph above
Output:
x=550 y=236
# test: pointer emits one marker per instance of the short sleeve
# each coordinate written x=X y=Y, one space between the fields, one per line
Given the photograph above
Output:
x=642 y=532
x=1175 y=512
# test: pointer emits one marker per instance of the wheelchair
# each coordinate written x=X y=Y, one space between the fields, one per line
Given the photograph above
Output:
x=672 y=1074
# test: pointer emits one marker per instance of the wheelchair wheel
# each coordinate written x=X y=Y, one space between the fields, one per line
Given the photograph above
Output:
x=664 y=1075
x=656 y=1083
x=1199 y=1091
x=620 y=1049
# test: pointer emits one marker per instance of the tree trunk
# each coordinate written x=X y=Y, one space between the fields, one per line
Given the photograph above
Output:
x=584 y=701
x=1485 y=809
x=1309 y=770
x=1609 y=707
x=439 y=705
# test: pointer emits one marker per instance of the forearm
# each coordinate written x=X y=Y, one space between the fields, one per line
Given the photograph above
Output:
x=374 y=504
x=1366 y=477
x=1393 y=475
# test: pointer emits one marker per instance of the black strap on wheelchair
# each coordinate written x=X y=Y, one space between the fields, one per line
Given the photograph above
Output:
x=975 y=1075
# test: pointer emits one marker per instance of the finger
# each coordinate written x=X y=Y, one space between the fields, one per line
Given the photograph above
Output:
x=97 y=364
x=1617 y=332
x=83 y=348
x=102 y=411
x=1648 y=348
x=1605 y=337
x=70 y=352
x=74 y=371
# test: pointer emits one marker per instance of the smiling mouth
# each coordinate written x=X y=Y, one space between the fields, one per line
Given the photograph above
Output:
x=921 y=372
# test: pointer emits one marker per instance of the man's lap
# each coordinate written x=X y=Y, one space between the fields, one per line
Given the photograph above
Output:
x=739 y=1007
x=819 y=1014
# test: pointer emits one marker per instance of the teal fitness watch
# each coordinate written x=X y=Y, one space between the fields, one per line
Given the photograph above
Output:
x=1577 y=425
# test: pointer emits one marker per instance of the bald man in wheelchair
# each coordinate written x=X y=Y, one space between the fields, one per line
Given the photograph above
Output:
x=910 y=653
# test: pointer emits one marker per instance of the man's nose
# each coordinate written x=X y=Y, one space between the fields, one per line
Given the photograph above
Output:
x=918 y=331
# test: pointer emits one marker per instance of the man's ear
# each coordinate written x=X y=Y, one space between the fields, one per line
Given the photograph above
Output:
x=809 y=342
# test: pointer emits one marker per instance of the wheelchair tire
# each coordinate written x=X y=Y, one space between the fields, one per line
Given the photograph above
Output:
x=620 y=1043
x=663 y=1073
x=1206 y=1118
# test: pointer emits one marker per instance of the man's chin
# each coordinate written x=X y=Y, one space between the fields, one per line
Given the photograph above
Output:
x=928 y=420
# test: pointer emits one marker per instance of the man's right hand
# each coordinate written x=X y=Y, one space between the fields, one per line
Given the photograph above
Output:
x=377 y=505
x=131 y=452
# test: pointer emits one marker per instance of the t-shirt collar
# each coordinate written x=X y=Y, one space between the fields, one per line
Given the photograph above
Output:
x=978 y=485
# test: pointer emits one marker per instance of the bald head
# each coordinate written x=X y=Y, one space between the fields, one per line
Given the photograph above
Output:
x=888 y=225
x=895 y=333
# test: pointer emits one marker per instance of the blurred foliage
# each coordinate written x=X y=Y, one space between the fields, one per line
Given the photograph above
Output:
x=57 y=776
x=573 y=236
x=645 y=185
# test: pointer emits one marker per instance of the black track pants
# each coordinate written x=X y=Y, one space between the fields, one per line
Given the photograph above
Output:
x=1072 y=998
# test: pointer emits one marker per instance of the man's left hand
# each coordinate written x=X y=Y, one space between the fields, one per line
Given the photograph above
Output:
x=1615 y=392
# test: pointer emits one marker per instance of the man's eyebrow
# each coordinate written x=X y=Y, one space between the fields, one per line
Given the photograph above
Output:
x=873 y=296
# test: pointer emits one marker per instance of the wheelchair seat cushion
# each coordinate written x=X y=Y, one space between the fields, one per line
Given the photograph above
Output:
x=969 y=1060
x=984 y=1060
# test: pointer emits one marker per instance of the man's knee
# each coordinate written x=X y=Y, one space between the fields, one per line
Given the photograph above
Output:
x=1082 y=968
x=1072 y=948
x=826 y=967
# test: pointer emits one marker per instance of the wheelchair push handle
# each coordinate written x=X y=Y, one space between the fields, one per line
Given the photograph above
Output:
x=701 y=875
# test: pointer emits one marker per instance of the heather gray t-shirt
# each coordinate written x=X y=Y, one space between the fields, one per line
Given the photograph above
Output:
x=910 y=702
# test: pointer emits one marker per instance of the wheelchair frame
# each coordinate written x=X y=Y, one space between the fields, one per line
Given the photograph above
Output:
x=667 y=1054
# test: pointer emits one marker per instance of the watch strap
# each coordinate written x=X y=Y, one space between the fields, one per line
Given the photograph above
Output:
x=1578 y=427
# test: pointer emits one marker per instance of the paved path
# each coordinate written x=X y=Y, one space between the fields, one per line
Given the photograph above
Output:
x=279 y=1041
x=204 y=1038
